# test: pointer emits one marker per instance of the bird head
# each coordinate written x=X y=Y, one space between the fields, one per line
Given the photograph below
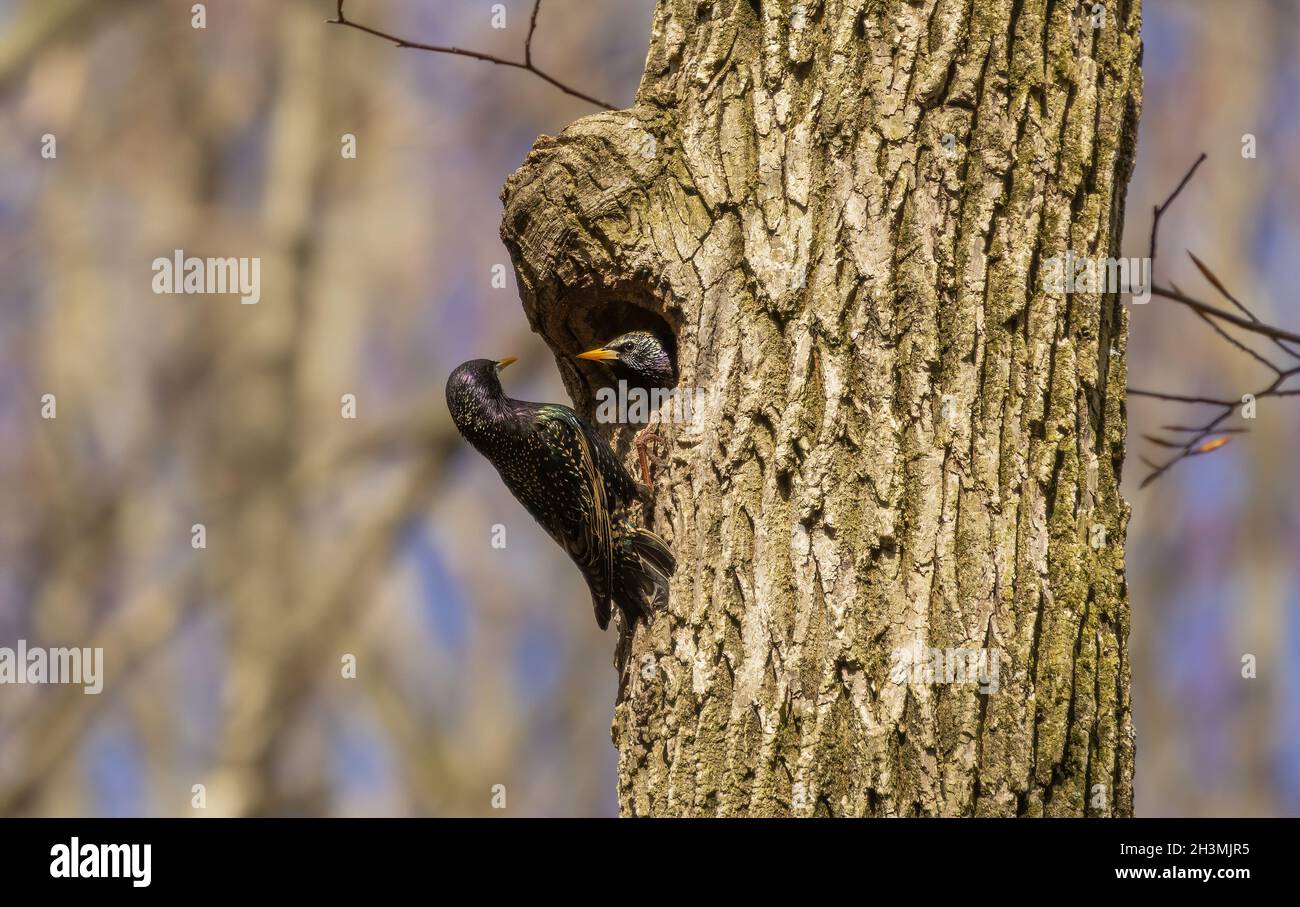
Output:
x=641 y=353
x=473 y=384
x=479 y=373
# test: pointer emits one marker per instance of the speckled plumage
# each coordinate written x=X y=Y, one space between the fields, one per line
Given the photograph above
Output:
x=565 y=475
x=638 y=357
x=642 y=360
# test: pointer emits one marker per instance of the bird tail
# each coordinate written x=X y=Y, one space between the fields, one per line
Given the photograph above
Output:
x=641 y=587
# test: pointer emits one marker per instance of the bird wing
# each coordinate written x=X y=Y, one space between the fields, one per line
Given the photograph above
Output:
x=587 y=531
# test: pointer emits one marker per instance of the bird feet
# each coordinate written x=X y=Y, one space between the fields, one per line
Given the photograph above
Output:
x=646 y=442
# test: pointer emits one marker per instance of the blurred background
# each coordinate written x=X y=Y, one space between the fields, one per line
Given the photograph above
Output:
x=372 y=537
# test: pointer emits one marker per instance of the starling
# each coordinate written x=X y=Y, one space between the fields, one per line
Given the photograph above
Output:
x=643 y=360
x=566 y=476
x=639 y=357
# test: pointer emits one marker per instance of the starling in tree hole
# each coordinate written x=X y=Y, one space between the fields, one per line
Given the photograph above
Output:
x=642 y=360
x=566 y=476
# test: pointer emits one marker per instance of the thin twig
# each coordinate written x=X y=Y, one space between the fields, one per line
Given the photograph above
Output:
x=1255 y=327
x=1200 y=442
x=1179 y=398
x=1218 y=285
x=1238 y=344
x=532 y=27
x=1156 y=214
x=526 y=65
x=1222 y=431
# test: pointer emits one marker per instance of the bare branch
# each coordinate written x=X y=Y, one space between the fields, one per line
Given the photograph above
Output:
x=1162 y=442
x=1200 y=441
x=532 y=27
x=1255 y=327
x=1239 y=345
x=1158 y=212
x=1179 y=398
x=1218 y=285
x=1224 y=431
x=526 y=65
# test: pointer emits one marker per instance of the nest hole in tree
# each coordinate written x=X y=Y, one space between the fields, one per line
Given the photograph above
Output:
x=596 y=316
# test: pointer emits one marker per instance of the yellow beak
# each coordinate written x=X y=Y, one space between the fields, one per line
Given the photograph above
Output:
x=502 y=363
x=599 y=354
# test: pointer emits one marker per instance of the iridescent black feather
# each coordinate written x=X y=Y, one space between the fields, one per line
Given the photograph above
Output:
x=565 y=475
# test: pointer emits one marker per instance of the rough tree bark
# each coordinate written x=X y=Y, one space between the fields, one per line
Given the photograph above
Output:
x=839 y=209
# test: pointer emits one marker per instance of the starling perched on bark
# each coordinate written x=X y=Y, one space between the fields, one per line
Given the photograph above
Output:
x=566 y=476
x=642 y=360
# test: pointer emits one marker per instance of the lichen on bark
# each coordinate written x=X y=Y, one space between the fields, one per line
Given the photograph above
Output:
x=839 y=208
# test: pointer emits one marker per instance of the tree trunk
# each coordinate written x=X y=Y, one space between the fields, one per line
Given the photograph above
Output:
x=838 y=208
